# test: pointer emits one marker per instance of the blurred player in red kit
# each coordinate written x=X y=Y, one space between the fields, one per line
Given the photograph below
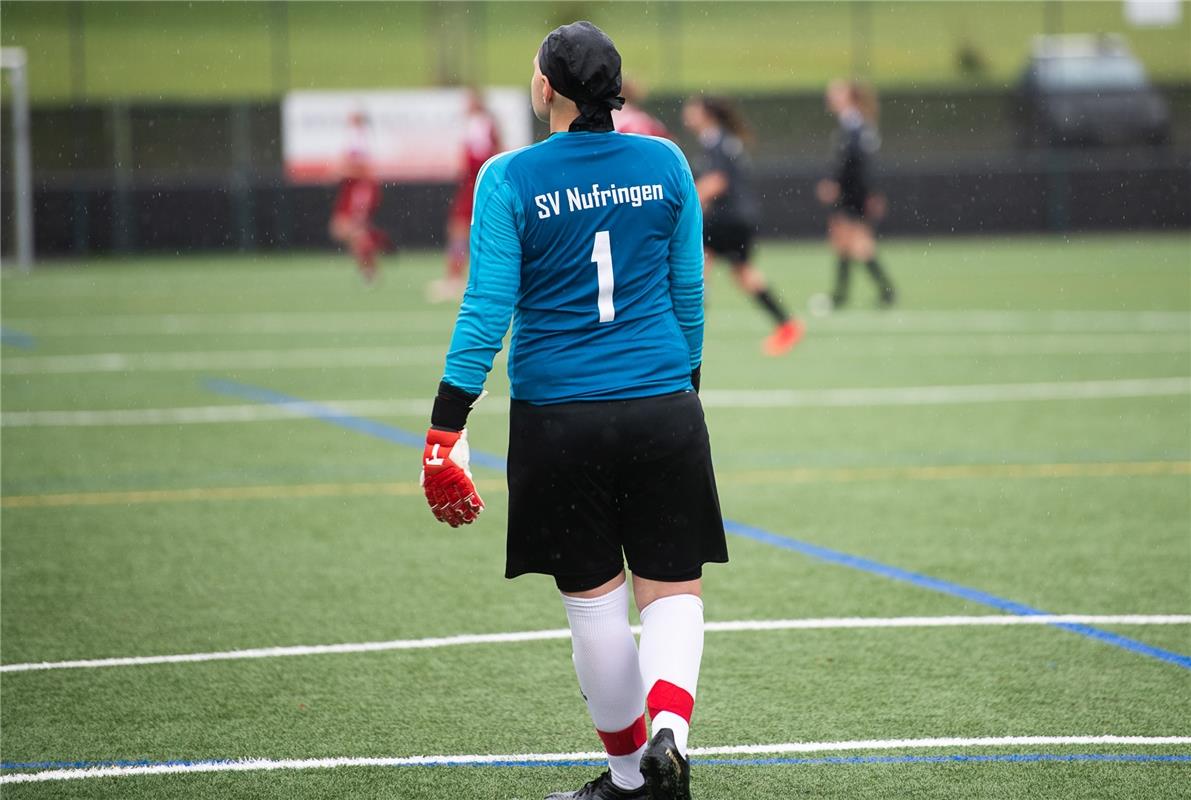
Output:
x=481 y=141
x=357 y=201
x=631 y=119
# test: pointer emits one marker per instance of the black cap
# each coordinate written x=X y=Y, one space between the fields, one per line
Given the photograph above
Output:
x=582 y=64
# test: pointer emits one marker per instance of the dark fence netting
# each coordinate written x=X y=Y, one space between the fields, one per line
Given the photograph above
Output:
x=127 y=178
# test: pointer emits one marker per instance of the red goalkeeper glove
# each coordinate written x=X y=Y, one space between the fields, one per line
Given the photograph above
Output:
x=446 y=478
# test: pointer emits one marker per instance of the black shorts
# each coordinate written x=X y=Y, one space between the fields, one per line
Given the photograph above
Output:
x=730 y=239
x=851 y=206
x=591 y=484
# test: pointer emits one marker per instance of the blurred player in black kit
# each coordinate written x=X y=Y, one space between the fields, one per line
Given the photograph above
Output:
x=731 y=210
x=849 y=192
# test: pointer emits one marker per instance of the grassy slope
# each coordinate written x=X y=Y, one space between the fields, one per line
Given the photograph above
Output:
x=157 y=578
x=208 y=51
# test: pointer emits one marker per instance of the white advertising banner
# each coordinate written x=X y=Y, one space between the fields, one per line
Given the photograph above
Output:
x=407 y=135
x=1154 y=13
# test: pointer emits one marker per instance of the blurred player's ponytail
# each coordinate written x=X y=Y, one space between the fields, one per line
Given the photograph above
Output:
x=728 y=116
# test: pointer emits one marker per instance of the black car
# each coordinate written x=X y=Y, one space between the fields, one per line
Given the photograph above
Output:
x=1088 y=91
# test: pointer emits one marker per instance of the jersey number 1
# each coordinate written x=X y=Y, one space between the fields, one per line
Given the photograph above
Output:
x=601 y=254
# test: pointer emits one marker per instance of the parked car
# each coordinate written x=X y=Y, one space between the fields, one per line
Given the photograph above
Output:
x=1088 y=91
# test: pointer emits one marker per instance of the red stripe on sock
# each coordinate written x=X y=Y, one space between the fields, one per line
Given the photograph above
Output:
x=626 y=742
x=665 y=696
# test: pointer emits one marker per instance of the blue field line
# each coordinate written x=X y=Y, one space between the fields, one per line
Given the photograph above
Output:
x=403 y=437
x=19 y=339
x=949 y=588
x=845 y=761
x=93 y=764
x=336 y=417
x=957 y=758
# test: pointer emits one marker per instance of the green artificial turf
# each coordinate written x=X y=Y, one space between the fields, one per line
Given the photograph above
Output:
x=1044 y=502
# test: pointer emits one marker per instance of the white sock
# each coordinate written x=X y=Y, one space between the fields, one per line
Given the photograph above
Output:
x=671 y=650
x=605 y=656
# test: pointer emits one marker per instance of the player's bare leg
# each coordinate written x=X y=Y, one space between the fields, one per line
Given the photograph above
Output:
x=789 y=330
x=341 y=228
x=364 y=249
x=356 y=235
x=837 y=234
x=862 y=246
x=450 y=286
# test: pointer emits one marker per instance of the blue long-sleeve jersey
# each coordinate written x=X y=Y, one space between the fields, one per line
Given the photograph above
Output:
x=592 y=244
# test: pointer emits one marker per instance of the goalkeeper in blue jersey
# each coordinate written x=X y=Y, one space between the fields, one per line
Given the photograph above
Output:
x=591 y=242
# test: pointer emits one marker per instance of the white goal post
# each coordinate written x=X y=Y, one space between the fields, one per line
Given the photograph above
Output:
x=14 y=64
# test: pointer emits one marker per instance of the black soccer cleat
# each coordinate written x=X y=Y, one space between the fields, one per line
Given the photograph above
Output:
x=602 y=788
x=667 y=773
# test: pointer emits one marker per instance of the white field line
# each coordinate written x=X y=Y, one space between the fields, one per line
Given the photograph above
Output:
x=1009 y=321
x=946 y=395
x=712 y=398
x=255 y=412
x=321 y=357
x=836 y=623
x=831 y=344
x=380 y=321
x=369 y=356
x=787 y=748
x=278 y=322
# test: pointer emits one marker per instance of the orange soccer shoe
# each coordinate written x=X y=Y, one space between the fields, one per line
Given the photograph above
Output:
x=783 y=339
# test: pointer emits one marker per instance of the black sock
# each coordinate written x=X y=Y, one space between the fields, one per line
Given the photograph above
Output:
x=839 y=295
x=770 y=304
x=882 y=279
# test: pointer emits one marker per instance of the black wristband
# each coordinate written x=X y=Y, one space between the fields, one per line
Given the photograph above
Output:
x=451 y=407
x=695 y=376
